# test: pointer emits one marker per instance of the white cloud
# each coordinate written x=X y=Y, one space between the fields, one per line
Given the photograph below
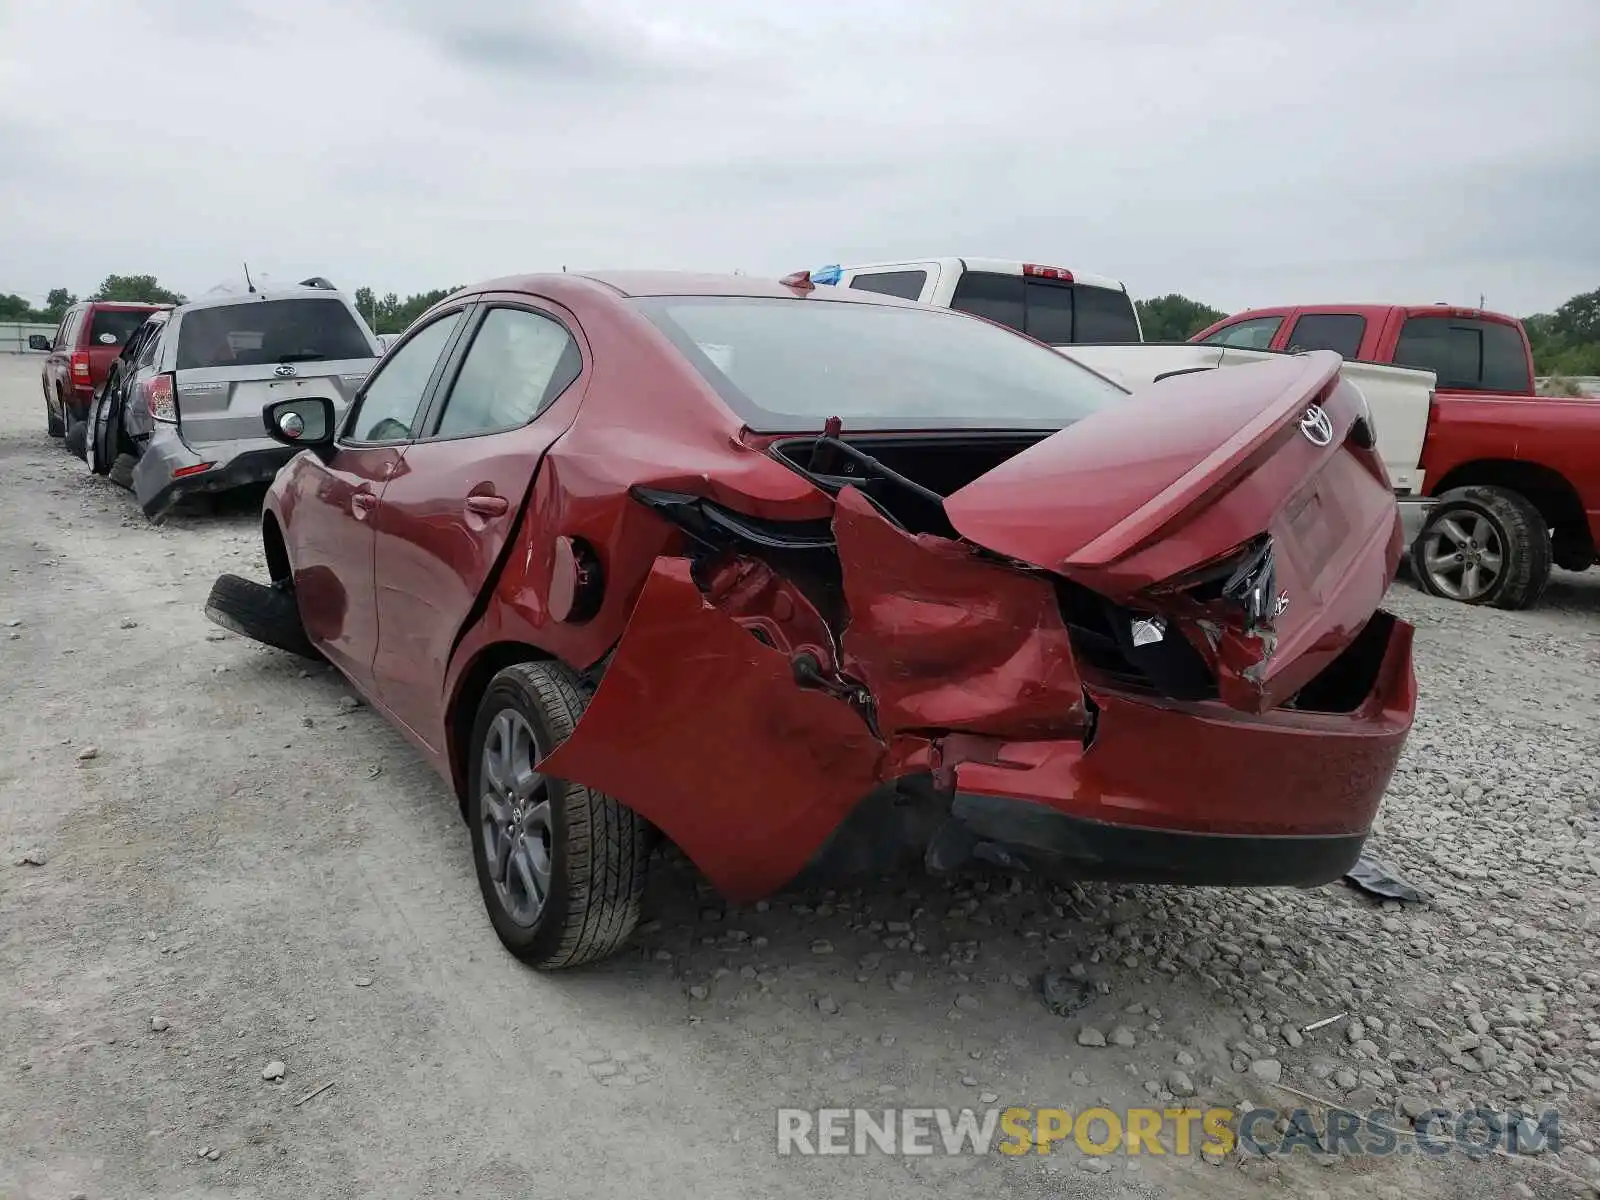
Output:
x=1238 y=153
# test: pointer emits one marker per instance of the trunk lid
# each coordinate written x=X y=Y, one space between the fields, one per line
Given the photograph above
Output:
x=1239 y=508
x=219 y=404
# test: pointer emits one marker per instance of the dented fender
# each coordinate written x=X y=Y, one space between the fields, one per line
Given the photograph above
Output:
x=726 y=721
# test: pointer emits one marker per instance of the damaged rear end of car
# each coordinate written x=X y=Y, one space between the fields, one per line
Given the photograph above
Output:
x=1139 y=638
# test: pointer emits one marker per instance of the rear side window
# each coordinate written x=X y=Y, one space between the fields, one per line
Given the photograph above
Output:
x=905 y=284
x=518 y=363
x=1339 y=332
x=262 y=332
x=1254 y=334
x=1104 y=315
x=114 y=326
x=1465 y=354
x=69 y=324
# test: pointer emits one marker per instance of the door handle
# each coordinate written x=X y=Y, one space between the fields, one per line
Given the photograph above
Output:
x=487 y=506
x=363 y=503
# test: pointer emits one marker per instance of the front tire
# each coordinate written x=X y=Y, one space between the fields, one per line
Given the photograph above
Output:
x=561 y=866
x=267 y=614
x=1483 y=545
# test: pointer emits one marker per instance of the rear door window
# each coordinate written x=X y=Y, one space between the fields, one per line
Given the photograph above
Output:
x=1339 y=332
x=905 y=284
x=1465 y=354
x=1254 y=334
x=114 y=326
x=269 y=332
x=517 y=365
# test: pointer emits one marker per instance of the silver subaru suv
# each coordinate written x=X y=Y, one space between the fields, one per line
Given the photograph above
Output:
x=190 y=402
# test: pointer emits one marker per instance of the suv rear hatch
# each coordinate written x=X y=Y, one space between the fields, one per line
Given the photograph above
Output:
x=109 y=330
x=235 y=359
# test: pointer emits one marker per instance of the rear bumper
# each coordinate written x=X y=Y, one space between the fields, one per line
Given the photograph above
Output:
x=158 y=484
x=1193 y=793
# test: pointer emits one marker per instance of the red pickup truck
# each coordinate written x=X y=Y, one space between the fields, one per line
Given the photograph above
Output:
x=1513 y=477
x=86 y=343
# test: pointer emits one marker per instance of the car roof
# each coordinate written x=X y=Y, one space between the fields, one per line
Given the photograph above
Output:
x=671 y=283
x=996 y=266
x=1375 y=312
x=262 y=297
x=134 y=305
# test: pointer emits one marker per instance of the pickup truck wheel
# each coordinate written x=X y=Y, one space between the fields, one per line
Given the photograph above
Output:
x=1483 y=545
x=561 y=867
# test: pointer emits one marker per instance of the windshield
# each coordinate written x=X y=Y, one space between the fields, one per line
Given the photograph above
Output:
x=259 y=332
x=791 y=364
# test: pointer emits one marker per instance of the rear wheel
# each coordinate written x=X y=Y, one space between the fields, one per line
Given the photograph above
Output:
x=1483 y=545
x=53 y=424
x=561 y=867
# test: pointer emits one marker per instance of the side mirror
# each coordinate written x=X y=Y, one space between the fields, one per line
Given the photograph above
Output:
x=305 y=424
x=38 y=341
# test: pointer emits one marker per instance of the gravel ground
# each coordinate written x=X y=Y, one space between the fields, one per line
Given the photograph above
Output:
x=243 y=887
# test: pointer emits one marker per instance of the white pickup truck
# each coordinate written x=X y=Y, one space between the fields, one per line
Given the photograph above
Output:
x=1092 y=320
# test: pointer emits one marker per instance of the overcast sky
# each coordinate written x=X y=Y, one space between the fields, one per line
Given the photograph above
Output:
x=1241 y=153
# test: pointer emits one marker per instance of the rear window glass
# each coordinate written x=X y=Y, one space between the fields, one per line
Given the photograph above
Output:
x=1339 y=332
x=263 y=332
x=1049 y=313
x=1104 y=315
x=1056 y=313
x=116 y=324
x=905 y=284
x=1254 y=334
x=789 y=365
x=1465 y=354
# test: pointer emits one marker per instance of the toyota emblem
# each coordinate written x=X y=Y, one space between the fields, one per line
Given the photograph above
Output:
x=285 y=370
x=1316 y=425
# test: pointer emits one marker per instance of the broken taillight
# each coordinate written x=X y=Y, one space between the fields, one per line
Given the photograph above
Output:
x=161 y=397
x=80 y=366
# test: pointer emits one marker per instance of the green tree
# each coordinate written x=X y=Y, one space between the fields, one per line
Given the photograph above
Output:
x=57 y=303
x=1577 y=322
x=390 y=314
x=15 y=308
x=138 y=288
x=1173 y=318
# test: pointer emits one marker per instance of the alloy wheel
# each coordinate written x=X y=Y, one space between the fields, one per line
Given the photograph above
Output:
x=1462 y=554
x=516 y=820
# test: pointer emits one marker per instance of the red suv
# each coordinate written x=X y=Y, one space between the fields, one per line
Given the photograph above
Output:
x=87 y=342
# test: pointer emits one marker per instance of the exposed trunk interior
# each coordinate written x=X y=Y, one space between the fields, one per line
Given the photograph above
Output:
x=939 y=464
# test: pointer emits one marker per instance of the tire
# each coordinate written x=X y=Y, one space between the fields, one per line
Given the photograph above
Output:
x=53 y=425
x=77 y=438
x=1508 y=535
x=266 y=614
x=594 y=850
x=105 y=431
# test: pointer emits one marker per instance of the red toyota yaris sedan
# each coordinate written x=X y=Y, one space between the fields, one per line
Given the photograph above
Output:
x=811 y=580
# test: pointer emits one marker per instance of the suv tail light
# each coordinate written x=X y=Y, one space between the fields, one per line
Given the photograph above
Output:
x=161 y=397
x=80 y=366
